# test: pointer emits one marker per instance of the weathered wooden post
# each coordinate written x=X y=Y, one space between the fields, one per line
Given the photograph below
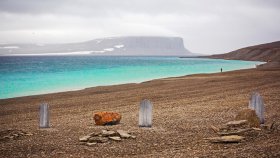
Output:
x=145 y=113
x=44 y=116
x=256 y=103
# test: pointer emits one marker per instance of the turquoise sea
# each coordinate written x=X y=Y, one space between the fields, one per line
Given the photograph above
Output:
x=31 y=75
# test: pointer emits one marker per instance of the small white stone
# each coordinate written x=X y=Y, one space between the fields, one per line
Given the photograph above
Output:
x=115 y=138
x=91 y=144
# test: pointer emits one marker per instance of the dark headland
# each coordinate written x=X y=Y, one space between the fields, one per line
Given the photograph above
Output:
x=184 y=109
x=268 y=52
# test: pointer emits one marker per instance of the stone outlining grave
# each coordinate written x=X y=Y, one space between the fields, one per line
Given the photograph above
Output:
x=236 y=131
x=105 y=136
x=145 y=113
x=247 y=120
x=232 y=132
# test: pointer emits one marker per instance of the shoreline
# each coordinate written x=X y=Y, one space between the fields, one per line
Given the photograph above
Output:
x=150 y=80
x=65 y=90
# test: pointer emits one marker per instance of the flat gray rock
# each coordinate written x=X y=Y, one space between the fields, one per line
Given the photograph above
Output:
x=84 y=138
x=106 y=133
x=226 y=139
x=93 y=134
x=237 y=123
x=123 y=134
x=98 y=140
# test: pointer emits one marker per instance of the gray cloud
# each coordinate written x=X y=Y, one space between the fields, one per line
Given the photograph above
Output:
x=212 y=26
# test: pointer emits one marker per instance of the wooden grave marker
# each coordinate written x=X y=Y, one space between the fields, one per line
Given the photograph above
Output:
x=256 y=103
x=44 y=116
x=145 y=113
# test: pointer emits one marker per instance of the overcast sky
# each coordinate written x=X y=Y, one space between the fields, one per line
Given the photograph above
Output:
x=207 y=26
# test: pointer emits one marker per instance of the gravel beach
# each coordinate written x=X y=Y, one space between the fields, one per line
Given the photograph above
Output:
x=184 y=108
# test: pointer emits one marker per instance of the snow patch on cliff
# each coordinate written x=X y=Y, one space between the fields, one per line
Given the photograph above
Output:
x=109 y=49
x=10 y=47
x=119 y=46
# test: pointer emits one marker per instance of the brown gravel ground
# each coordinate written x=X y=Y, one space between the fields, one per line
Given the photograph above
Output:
x=184 y=108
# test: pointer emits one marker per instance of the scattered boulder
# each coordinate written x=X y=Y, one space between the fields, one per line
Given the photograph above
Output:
x=249 y=115
x=107 y=118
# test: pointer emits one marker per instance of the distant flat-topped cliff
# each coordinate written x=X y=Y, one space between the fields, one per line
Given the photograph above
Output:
x=264 y=52
x=123 y=46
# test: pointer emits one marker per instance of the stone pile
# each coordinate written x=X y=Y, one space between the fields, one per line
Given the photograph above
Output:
x=13 y=134
x=232 y=132
x=105 y=136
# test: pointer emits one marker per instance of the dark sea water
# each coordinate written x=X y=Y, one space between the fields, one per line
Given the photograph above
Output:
x=30 y=75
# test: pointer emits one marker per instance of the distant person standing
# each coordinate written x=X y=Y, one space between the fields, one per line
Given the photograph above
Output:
x=221 y=69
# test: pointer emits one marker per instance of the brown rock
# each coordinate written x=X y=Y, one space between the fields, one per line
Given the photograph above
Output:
x=107 y=118
x=249 y=115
